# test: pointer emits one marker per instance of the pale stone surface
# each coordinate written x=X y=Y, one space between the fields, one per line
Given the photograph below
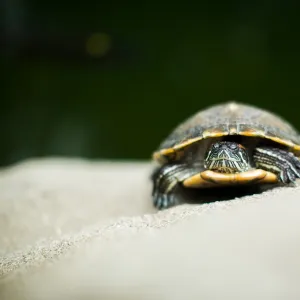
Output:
x=75 y=229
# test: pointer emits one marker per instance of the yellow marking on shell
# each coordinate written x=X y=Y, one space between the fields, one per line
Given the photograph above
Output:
x=232 y=130
x=175 y=151
x=258 y=133
x=166 y=152
x=210 y=133
x=187 y=143
x=160 y=156
x=210 y=178
x=281 y=141
x=252 y=133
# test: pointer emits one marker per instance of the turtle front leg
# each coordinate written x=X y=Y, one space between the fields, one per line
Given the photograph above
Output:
x=281 y=162
x=167 y=183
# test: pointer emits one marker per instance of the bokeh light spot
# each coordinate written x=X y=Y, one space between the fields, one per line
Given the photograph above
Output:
x=98 y=44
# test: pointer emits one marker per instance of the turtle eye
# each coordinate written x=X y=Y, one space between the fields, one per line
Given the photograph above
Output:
x=216 y=146
x=233 y=146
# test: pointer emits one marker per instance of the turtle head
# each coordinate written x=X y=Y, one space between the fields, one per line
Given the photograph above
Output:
x=227 y=157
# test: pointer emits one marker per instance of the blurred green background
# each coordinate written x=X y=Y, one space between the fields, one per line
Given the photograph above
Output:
x=101 y=79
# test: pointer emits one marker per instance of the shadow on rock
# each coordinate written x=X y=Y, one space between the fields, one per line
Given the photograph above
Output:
x=200 y=196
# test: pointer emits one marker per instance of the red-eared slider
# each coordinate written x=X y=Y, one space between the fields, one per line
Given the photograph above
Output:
x=223 y=145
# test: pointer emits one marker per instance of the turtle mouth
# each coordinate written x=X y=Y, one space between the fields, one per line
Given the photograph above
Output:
x=225 y=165
x=227 y=157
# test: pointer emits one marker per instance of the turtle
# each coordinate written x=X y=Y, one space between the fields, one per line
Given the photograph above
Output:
x=225 y=145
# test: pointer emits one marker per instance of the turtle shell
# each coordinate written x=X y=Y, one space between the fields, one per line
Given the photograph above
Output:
x=224 y=120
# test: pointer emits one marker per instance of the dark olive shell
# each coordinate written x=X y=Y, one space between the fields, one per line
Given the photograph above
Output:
x=228 y=119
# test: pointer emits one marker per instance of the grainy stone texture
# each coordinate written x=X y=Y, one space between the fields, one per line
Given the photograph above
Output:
x=75 y=229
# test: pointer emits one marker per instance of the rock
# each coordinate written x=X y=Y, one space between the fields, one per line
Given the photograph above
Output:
x=75 y=229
